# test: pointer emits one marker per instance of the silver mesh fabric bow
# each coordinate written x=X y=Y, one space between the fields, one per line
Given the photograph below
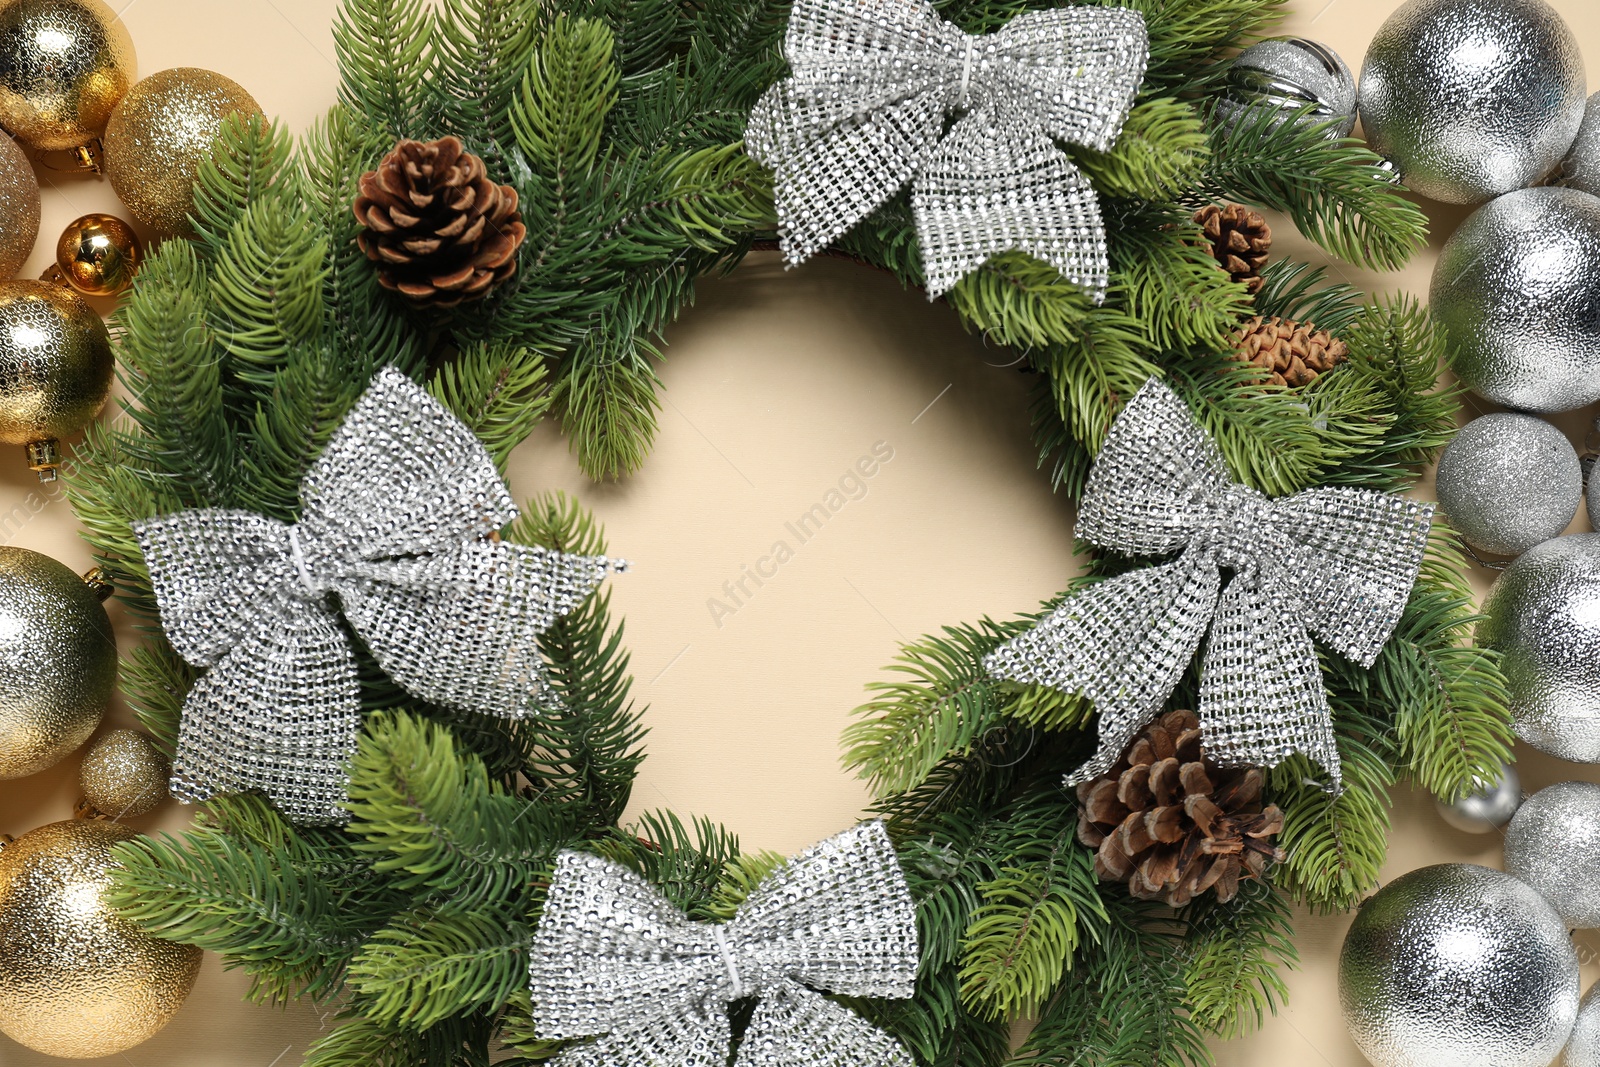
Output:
x=1337 y=563
x=613 y=957
x=863 y=113
x=395 y=519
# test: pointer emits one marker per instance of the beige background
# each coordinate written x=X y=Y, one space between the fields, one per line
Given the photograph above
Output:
x=776 y=384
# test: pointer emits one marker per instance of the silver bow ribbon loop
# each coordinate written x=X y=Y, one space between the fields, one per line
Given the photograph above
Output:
x=863 y=113
x=1336 y=564
x=395 y=521
x=614 y=959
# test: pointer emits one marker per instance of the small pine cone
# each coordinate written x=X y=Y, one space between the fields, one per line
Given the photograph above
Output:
x=1172 y=824
x=1240 y=239
x=438 y=229
x=1288 y=353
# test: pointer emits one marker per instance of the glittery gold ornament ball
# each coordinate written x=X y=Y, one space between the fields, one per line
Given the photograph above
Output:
x=19 y=207
x=77 y=979
x=64 y=65
x=56 y=362
x=124 y=774
x=58 y=662
x=158 y=137
x=98 y=255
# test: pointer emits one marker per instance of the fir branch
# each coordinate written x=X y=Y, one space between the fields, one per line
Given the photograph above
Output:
x=487 y=46
x=459 y=1042
x=499 y=391
x=1236 y=953
x=249 y=158
x=686 y=864
x=1161 y=150
x=385 y=60
x=155 y=681
x=740 y=877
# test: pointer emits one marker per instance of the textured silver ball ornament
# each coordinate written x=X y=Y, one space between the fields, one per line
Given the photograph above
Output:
x=1517 y=288
x=1487 y=808
x=1553 y=844
x=1508 y=482
x=1458 y=966
x=1472 y=98
x=1581 y=168
x=1543 y=617
x=1287 y=75
x=1583 y=1047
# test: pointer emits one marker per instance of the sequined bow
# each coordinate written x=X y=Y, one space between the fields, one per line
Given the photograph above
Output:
x=613 y=957
x=1338 y=563
x=396 y=519
x=863 y=113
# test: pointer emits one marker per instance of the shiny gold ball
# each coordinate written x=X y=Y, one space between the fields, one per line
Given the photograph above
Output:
x=64 y=64
x=55 y=362
x=158 y=137
x=19 y=207
x=58 y=662
x=77 y=979
x=124 y=774
x=98 y=255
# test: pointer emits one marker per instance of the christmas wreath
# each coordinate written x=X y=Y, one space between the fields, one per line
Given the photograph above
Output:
x=509 y=203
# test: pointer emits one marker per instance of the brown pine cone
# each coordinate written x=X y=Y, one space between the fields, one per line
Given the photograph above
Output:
x=1240 y=239
x=1171 y=824
x=1287 y=352
x=438 y=229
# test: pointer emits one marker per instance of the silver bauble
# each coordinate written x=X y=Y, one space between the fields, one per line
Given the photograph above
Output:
x=1287 y=75
x=1583 y=1047
x=1472 y=98
x=1553 y=844
x=1508 y=482
x=1543 y=616
x=1458 y=966
x=1487 y=808
x=1517 y=289
x=1581 y=168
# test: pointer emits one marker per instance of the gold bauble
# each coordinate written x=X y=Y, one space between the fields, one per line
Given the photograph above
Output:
x=19 y=207
x=55 y=367
x=77 y=979
x=64 y=64
x=158 y=137
x=124 y=774
x=58 y=662
x=98 y=255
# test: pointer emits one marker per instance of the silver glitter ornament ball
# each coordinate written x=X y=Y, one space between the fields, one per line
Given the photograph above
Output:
x=1583 y=1047
x=1543 y=617
x=1286 y=75
x=1487 y=808
x=1458 y=966
x=1508 y=482
x=1553 y=844
x=1472 y=98
x=1581 y=168
x=1517 y=288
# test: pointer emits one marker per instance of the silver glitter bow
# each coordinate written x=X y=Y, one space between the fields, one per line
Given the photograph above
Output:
x=863 y=113
x=396 y=519
x=1337 y=563
x=613 y=957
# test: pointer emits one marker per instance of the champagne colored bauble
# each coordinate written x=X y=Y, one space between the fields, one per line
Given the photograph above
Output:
x=1581 y=168
x=76 y=979
x=158 y=137
x=1508 y=482
x=1517 y=288
x=58 y=662
x=1543 y=616
x=19 y=208
x=1472 y=98
x=1488 y=807
x=98 y=255
x=1458 y=966
x=1287 y=76
x=124 y=774
x=56 y=367
x=64 y=65
x=1583 y=1047
x=1553 y=844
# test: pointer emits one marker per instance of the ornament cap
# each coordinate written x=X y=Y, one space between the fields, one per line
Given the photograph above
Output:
x=98 y=579
x=44 y=456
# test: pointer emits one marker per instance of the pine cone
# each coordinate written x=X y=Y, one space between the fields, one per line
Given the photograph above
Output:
x=1289 y=353
x=1240 y=239
x=1171 y=824
x=438 y=229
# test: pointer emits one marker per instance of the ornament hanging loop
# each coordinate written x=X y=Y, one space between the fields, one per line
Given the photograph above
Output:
x=85 y=159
